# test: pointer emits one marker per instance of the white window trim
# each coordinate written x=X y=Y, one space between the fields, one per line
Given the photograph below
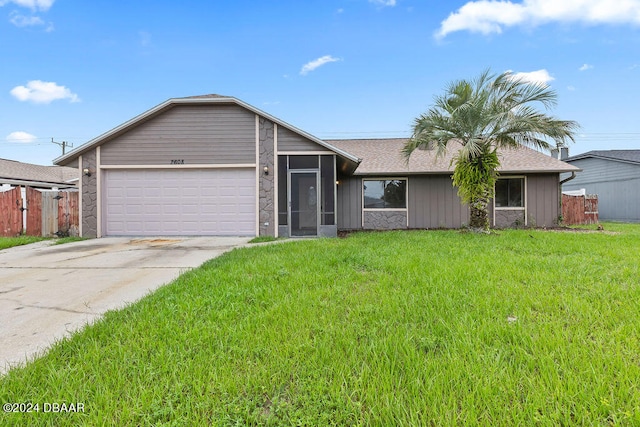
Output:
x=506 y=208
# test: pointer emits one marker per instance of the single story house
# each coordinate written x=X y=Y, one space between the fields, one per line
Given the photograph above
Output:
x=614 y=176
x=215 y=165
x=14 y=174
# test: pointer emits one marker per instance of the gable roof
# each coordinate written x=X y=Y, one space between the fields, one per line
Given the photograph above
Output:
x=15 y=172
x=192 y=100
x=627 y=156
x=384 y=156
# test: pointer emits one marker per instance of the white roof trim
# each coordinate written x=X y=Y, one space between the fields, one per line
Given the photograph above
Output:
x=190 y=101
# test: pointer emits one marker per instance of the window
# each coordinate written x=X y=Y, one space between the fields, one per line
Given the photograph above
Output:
x=385 y=193
x=510 y=193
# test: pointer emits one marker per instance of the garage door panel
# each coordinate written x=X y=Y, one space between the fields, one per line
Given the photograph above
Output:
x=179 y=202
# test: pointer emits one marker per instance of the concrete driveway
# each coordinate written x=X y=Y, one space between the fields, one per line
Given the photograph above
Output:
x=47 y=292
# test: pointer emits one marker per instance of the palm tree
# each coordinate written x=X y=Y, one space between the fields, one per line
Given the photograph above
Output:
x=482 y=116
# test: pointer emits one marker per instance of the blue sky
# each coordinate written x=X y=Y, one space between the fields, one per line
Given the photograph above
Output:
x=72 y=70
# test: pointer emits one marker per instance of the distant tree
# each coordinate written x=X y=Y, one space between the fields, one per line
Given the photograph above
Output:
x=485 y=115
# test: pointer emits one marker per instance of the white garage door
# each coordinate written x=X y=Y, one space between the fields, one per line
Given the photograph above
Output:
x=214 y=202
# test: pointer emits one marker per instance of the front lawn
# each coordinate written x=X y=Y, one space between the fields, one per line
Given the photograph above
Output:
x=9 y=242
x=401 y=328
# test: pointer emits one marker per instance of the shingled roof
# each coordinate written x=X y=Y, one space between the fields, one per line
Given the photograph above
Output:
x=16 y=172
x=384 y=156
x=627 y=156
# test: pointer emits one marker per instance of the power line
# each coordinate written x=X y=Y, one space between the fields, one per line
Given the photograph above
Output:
x=63 y=144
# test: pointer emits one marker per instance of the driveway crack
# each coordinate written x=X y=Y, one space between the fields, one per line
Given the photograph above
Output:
x=44 y=307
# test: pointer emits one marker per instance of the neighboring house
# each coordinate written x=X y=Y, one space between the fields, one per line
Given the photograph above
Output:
x=614 y=176
x=214 y=165
x=14 y=173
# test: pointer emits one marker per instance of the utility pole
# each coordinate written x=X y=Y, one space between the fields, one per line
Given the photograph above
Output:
x=63 y=144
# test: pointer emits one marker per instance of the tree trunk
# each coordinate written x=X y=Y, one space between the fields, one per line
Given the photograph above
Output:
x=479 y=215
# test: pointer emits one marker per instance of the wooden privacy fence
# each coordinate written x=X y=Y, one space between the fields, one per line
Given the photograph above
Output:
x=48 y=212
x=10 y=212
x=579 y=210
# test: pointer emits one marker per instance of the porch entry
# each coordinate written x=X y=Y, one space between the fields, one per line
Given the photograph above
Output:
x=307 y=195
x=304 y=202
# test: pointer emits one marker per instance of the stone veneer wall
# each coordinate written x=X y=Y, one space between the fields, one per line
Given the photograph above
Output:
x=89 y=196
x=509 y=218
x=266 y=189
x=384 y=220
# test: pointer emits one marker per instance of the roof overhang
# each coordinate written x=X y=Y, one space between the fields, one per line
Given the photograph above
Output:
x=40 y=184
x=601 y=157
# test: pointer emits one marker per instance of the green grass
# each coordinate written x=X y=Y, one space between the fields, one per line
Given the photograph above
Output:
x=263 y=239
x=69 y=239
x=522 y=327
x=9 y=242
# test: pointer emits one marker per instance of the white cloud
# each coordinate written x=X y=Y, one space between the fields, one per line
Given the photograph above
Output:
x=585 y=67
x=539 y=76
x=312 y=65
x=31 y=4
x=571 y=88
x=383 y=2
x=25 y=21
x=41 y=92
x=491 y=16
x=22 y=137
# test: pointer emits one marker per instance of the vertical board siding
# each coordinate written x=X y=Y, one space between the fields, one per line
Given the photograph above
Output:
x=68 y=213
x=543 y=200
x=291 y=141
x=34 y=212
x=434 y=203
x=195 y=134
x=349 y=203
x=49 y=213
x=10 y=213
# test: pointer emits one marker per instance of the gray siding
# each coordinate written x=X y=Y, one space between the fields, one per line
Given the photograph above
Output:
x=349 y=203
x=290 y=141
x=617 y=185
x=434 y=203
x=543 y=200
x=197 y=134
